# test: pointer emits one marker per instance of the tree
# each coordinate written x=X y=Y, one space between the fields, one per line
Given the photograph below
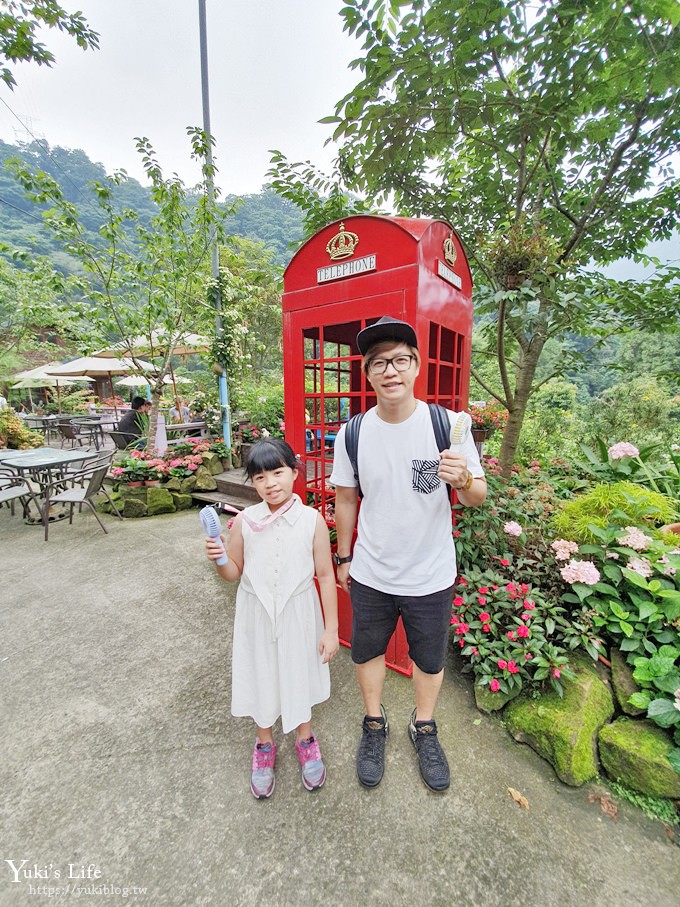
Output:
x=29 y=319
x=544 y=133
x=19 y=25
x=155 y=285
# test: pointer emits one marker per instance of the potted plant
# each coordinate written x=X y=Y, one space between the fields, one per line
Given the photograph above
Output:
x=132 y=469
x=486 y=418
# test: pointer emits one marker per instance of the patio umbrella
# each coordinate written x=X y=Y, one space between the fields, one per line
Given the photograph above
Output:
x=156 y=345
x=39 y=377
x=98 y=367
x=139 y=381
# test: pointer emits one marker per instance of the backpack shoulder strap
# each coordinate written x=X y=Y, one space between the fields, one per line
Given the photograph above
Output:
x=352 y=445
x=441 y=425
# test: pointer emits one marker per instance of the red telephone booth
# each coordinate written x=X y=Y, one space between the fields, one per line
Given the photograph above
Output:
x=342 y=279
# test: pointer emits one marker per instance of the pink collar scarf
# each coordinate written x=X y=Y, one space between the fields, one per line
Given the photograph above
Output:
x=259 y=525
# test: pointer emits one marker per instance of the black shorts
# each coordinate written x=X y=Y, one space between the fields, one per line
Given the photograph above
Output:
x=427 y=619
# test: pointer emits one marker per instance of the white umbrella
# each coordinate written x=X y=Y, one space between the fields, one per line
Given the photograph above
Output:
x=40 y=377
x=96 y=366
x=139 y=381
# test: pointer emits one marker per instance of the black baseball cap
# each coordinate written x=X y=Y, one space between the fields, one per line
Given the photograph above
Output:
x=386 y=328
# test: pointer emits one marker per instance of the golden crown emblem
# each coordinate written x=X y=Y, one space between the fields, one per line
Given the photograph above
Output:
x=342 y=245
x=450 y=253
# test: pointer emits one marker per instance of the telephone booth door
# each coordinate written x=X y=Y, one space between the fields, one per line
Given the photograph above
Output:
x=323 y=379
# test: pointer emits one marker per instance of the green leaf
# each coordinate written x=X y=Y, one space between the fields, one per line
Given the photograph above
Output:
x=635 y=578
x=626 y=628
x=641 y=699
x=674 y=759
x=663 y=712
x=647 y=609
x=617 y=610
x=671 y=607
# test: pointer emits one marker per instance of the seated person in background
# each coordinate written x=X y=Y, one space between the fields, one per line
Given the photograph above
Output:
x=134 y=423
x=184 y=414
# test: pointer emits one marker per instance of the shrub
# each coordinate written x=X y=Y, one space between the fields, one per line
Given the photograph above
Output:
x=622 y=502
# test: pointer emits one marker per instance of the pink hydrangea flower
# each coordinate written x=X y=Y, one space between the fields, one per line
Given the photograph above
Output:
x=494 y=686
x=580 y=572
x=512 y=528
x=563 y=549
x=635 y=539
x=640 y=565
x=621 y=450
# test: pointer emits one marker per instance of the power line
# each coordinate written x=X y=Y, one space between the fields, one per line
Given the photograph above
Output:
x=20 y=210
x=45 y=146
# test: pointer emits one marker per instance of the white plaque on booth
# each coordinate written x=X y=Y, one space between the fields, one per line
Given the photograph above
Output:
x=448 y=275
x=346 y=269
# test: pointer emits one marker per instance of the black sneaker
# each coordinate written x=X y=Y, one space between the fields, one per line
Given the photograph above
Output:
x=433 y=765
x=371 y=752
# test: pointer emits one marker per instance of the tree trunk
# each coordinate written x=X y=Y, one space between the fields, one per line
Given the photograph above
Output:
x=523 y=383
x=153 y=419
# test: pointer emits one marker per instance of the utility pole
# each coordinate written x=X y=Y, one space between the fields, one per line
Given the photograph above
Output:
x=214 y=255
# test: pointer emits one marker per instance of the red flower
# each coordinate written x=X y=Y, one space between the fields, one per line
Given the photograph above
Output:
x=502 y=664
x=484 y=617
x=511 y=635
x=481 y=599
x=486 y=628
x=528 y=604
x=524 y=588
x=556 y=673
x=462 y=629
x=457 y=533
x=494 y=686
x=510 y=587
x=512 y=667
x=495 y=588
x=528 y=656
x=462 y=581
x=459 y=601
x=523 y=631
x=475 y=651
x=525 y=616
x=461 y=643
x=505 y=562
x=483 y=590
x=454 y=620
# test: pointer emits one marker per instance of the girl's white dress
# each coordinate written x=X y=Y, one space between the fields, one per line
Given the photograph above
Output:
x=276 y=666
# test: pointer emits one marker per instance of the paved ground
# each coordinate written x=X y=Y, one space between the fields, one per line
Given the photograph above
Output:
x=119 y=757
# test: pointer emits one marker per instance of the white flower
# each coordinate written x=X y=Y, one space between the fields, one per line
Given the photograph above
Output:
x=636 y=539
x=623 y=449
x=563 y=549
x=580 y=572
x=640 y=565
x=512 y=528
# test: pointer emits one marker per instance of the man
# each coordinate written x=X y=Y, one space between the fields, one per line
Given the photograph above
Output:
x=3 y=402
x=404 y=560
x=181 y=415
x=134 y=423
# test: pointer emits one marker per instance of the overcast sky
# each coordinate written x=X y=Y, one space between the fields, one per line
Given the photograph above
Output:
x=276 y=67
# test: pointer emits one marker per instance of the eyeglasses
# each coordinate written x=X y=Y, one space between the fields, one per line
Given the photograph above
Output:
x=401 y=364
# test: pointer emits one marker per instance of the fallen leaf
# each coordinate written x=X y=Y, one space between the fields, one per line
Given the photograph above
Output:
x=519 y=799
x=609 y=808
x=477 y=721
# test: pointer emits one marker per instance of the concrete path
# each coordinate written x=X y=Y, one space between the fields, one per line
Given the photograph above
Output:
x=119 y=761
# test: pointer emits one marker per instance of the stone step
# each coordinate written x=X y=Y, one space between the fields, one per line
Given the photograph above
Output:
x=231 y=482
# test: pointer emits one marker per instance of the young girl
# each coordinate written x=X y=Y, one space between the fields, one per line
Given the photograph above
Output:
x=281 y=649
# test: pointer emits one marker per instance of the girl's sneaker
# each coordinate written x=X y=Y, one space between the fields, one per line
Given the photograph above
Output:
x=312 y=769
x=262 y=779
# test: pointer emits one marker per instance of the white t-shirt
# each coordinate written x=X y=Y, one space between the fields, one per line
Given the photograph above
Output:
x=404 y=543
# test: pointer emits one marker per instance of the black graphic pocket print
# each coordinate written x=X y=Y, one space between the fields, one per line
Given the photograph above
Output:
x=424 y=476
